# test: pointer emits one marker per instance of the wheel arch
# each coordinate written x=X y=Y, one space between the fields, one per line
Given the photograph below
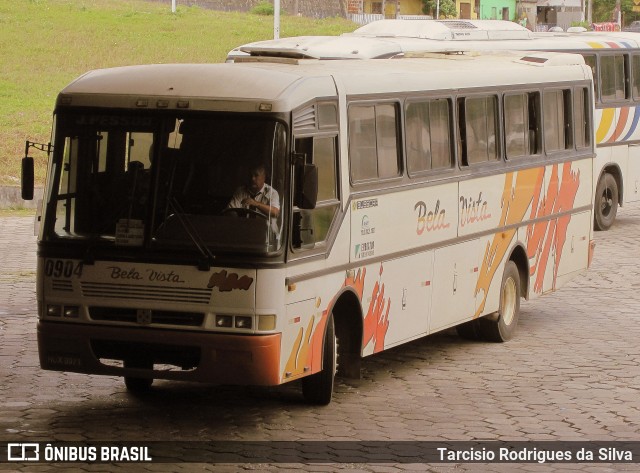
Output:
x=519 y=257
x=614 y=170
x=348 y=323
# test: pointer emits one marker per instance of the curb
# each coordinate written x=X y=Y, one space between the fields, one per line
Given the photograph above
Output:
x=11 y=198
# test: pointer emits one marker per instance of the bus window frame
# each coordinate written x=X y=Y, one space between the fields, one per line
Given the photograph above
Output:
x=568 y=107
x=499 y=139
x=626 y=78
x=399 y=125
x=451 y=132
x=587 y=115
x=324 y=246
x=635 y=97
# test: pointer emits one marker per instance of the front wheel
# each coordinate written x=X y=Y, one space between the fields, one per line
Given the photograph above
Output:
x=135 y=384
x=503 y=327
x=606 y=204
x=318 y=388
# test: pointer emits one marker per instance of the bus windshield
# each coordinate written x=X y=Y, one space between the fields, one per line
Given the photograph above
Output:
x=214 y=181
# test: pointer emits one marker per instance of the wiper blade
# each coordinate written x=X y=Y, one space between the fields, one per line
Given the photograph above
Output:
x=207 y=257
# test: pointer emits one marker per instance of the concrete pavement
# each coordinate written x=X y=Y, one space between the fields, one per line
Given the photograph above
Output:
x=571 y=373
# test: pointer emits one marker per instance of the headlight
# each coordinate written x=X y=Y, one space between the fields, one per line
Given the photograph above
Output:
x=71 y=311
x=54 y=310
x=243 y=321
x=224 y=321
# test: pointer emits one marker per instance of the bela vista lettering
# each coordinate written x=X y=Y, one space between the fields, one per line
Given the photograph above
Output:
x=151 y=275
x=431 y=220
x=473 y=210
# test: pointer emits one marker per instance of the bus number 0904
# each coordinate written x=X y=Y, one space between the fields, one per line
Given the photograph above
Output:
x=58 y=268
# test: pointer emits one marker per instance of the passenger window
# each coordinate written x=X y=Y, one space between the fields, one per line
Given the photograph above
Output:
x=635 y=74
x=373 y=142
x=516 y=125
x=478 y=129
x=428 y=132
x=612 y=76
x=557 y=120
x=581 y=116
x=591 y=61
x=521 y=124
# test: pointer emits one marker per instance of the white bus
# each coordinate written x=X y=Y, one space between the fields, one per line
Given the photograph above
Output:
x=613 y=56
x=413 y=195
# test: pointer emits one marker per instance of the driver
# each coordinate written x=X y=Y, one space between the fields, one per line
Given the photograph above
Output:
x=257 y=195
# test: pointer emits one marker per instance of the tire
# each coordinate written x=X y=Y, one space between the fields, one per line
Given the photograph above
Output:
x=318 y=388
x=470 y=330
x=503 y=327
x=135 y=384
x=606 y=203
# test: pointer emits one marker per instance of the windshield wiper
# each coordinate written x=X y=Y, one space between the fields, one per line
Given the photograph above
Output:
x=207 y=257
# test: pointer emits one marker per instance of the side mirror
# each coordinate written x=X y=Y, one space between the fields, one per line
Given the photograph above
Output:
x=307 y=186
x=27 y=178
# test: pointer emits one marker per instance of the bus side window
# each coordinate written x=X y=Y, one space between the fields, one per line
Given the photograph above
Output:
x=373 y=142
x=613 y=81
x=516 y=126
x=581 y=116
x=311 y=227
x=427 y=135
x=635 y=77
x=557 y=120
x=478 y=130
x=521 y=124
x=591 y=61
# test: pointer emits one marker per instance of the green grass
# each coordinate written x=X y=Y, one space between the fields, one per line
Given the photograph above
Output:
x=45 y=44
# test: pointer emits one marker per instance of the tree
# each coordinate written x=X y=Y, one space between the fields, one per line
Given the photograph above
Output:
x=447 y=8
x=603 y=10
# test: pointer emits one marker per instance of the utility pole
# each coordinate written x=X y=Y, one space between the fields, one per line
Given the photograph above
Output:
x=276 y=19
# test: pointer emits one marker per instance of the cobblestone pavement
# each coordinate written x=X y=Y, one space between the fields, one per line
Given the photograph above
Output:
x=571 y=373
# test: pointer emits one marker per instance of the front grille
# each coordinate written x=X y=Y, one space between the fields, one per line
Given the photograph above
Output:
x=63 y=285
x=163 y=317
x=146 y=293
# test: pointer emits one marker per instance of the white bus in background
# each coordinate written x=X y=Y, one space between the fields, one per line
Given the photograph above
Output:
x=613 y=56
x=415 y=195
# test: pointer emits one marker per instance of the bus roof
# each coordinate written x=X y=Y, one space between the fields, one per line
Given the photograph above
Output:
x=391 y=38
x=286 y=84
x=461 y=30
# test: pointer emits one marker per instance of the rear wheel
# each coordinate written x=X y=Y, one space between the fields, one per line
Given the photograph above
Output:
x=606 y=204
x=501 y=327
x=471 y=330
x=318 y=388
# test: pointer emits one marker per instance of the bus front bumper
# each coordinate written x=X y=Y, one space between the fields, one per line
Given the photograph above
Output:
x=160 y=354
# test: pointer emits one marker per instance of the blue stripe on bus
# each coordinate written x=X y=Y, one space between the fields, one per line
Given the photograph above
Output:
x=634 y=124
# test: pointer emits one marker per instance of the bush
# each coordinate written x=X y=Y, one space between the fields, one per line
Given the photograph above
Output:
x=263 y=8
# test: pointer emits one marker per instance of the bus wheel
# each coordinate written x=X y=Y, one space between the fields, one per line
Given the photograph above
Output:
x=137 y=385
x=501 y=327
x=134 y=384
x=318 y=388
x=470 y=330
x=606 y=204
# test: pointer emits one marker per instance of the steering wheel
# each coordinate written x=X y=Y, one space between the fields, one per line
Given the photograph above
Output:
x=244 y=213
